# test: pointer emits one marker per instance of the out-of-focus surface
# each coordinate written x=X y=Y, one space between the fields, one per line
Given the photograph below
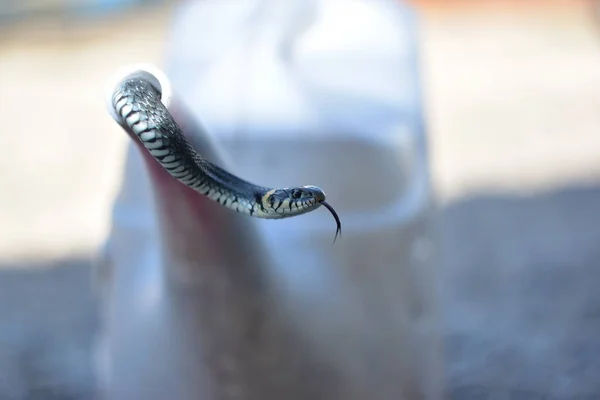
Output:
x=65 y=158
x=515 y=143
x=512 y=100
x=513 y=97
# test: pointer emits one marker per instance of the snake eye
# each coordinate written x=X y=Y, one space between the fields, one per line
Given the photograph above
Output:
x=296 y=194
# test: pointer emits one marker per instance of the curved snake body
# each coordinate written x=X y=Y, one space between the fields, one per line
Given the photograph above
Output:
x=139 y=105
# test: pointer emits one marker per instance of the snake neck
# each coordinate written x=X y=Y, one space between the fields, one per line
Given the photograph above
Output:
x=234 y=193
x=195 y=229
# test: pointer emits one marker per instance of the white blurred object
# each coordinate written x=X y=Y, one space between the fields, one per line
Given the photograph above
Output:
x=319 y=92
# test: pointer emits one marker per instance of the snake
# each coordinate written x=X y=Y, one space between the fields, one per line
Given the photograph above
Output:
x=138 y=104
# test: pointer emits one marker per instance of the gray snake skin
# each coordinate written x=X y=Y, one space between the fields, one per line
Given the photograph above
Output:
x=139 y=105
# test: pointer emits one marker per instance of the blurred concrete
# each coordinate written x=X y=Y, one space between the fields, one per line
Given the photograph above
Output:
x=521 y=303
x=514 y=106
x=522 y=307
x=47 y=320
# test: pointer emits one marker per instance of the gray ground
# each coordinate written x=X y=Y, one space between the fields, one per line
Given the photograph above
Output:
x=521 y=303
x=47 y=319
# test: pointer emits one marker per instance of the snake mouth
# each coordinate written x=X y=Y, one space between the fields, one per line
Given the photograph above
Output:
x=338 y=231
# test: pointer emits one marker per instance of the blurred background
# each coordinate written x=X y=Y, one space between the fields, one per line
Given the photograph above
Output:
x=512 y=91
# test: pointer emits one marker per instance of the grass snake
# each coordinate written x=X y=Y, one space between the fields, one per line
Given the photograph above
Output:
x=138 y=103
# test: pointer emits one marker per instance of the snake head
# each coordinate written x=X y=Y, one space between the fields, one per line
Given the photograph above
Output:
x=289 y=202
